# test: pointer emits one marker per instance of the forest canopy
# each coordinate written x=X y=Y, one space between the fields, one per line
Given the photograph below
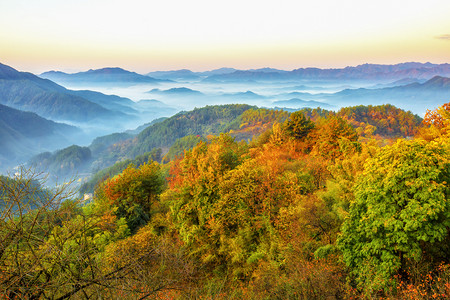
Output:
x=315 y=205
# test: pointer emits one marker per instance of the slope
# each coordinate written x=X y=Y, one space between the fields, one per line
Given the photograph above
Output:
x=23 y=134
x=28 y=92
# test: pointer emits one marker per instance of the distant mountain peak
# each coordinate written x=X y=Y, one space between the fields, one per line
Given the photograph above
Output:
x=110 y=70
x=104 y=75
x=438 y=81
x=176 y=90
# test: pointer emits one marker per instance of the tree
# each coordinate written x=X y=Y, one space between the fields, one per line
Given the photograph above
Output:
x=132 y=193
x=194 y=195
x=54 y=247
x=298 y=125
x=439 y=117
x=47 y=244
x=333 y=136
x=437 y=123
x=400 y=213
x=182 y=144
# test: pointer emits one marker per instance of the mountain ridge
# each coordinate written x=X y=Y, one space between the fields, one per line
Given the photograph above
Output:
x=23 y=134
x=28 y=92
x=360 y=72
x=104 y=75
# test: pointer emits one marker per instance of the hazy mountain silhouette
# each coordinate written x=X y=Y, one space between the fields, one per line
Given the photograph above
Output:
x=248 y=95
x=182 y=74
x=415 y=97
x=268 y=70
x=220 y=71
x=181 y=91
x=23 y=134
x=299 y=103
x=111 y=102
x=100 y=76
x=28 y=92
x=361 y=72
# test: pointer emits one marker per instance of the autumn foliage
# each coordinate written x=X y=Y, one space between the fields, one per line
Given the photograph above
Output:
x=315 y=205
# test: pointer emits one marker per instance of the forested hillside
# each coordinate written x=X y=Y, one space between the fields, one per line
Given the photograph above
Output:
x=182 y=131
x=23 y=134
x=306 y=209
x=202 y=121
x=44 y=99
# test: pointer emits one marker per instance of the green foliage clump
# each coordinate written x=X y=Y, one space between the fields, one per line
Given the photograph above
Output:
x=181 y=145
x=201 y=121
x=401 y=211
x=97 y=178
x=315 y=114
x=387 y=119
x=63 y=162
x=298 y=125
x=133 y=193
x=253 y=117
x=99 y=144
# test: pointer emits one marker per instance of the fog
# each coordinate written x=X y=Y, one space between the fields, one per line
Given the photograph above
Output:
x=151 y=101
x=334 y=94
x=264 y=94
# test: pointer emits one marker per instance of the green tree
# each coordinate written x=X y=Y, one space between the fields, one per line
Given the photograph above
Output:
x=133 y=194
x=298 y=125
x=182 y=144
x=54 y=247
x=400 y=213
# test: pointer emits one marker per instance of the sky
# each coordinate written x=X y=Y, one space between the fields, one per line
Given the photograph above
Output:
x=144 y=36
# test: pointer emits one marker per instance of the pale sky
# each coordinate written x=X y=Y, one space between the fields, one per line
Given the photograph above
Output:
x=144 y=36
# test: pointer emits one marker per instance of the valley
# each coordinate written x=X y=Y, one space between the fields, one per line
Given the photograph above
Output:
x=225 y=150
x=115 y=103
x=256 y=181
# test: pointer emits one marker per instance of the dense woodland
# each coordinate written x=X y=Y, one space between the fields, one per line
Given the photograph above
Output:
x=249 y=204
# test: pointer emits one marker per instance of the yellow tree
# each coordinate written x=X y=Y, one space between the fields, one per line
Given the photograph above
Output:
x=437 y=123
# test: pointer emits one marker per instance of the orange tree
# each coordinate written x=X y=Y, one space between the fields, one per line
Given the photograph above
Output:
x=439 y=117
x=332 y=137
x=194 y=188
x=437 y=123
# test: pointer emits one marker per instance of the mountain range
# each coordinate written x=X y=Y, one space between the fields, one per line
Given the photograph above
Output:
x=28 y=92
x=181 y=91
x=377 y=72
x=116 y=76
x=28 y=99
x=185 y=74
x=361 y=72
x=415 y=96
x=31 y=106
x=299 y=103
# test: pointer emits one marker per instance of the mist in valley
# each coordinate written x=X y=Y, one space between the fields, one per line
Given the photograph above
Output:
x=130 y=102
x=327 y=94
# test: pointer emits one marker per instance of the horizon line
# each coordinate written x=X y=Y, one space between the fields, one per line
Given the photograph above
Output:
x=72 y=71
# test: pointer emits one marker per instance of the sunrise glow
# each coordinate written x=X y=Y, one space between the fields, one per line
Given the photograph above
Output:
x=145 y=36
